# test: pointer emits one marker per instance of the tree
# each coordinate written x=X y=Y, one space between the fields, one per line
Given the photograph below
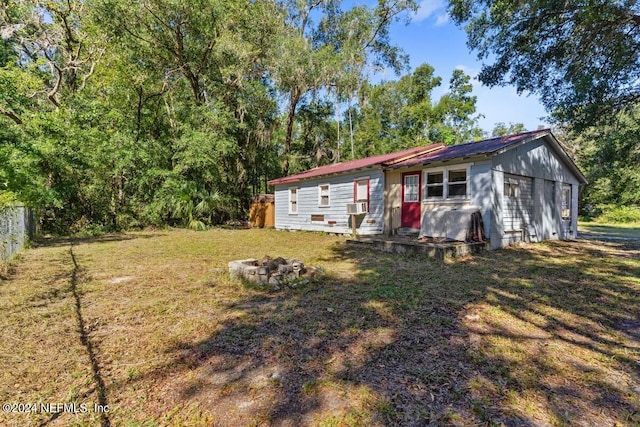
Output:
x=114 y=134
x=609 y=156
x=399 y=114
x=581 y=57
x=457 y=108
x=501 y=129
x=206 y=62
x=333 y=52
x=314 y=142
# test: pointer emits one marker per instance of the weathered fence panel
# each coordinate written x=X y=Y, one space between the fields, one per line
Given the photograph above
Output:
x=17 y=224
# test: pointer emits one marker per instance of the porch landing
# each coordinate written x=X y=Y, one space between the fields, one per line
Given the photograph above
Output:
x=411 y=245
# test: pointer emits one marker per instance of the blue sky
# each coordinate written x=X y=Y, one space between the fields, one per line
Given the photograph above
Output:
x=433 y=39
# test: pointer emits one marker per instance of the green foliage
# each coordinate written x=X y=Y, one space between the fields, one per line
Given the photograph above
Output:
x=199 y=209
x=7 y=198
x=315 y=139
x=501 y=129
x=117 y=114
x=609 y=156
x=326 y=47
x=580 y=57
x=399 y=114
x=611 y=214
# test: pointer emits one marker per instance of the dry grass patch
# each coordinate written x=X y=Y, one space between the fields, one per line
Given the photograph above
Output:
x=150 y=324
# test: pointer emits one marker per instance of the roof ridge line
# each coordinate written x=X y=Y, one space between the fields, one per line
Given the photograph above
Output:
x=428 y=149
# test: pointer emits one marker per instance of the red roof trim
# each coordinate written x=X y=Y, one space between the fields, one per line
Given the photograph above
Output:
x=353 y=165
x=428 y=154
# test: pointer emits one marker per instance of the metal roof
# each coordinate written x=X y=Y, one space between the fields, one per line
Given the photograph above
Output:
x=435 y=153
x=492 y=146
x=470 y=149
x=367 y=162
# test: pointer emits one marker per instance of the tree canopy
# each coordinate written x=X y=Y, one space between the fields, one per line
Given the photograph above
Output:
x=118 y=114
x=581 y=57
x=126 y=113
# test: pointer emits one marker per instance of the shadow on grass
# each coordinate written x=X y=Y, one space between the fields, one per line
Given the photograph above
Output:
x=100 y=386
x=58 y=241
x=545 y=334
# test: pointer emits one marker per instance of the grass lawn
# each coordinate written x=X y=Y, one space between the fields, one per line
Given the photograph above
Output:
x=150 y=324
x=624 y=231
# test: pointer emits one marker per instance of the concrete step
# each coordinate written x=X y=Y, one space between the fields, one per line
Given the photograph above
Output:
x=408 y=232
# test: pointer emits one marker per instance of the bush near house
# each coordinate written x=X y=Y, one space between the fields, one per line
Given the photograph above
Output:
x=612 y=214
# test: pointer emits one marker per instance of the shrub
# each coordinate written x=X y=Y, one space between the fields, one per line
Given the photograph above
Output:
x=619 y=214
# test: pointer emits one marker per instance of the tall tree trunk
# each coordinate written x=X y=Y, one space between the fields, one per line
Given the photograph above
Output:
x=353 y=154
x=338 y=134
x=291 y=115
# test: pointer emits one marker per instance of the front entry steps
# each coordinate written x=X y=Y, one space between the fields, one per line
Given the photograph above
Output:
x=404 y=245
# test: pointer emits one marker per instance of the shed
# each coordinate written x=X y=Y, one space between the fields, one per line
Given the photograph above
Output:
x=262 y=211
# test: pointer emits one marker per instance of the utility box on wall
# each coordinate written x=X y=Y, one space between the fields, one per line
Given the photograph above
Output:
x=262 y=211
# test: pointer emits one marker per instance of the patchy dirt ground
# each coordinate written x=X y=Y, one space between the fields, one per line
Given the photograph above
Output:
x=150 y=326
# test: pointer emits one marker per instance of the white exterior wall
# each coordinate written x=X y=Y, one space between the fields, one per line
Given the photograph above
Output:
x=340 y=194
x=434 y=211
x=539 y=161
x=481 y=194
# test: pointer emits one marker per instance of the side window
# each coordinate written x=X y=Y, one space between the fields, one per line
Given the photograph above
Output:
x=511 y=189
x=323 y=195
x=457 y=183
x=361 y=190
x=435 y=184
x=293 y=200
x=566 y=201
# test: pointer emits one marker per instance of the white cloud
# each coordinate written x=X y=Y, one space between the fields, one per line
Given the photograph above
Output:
x=442 y=19
x=427 y=8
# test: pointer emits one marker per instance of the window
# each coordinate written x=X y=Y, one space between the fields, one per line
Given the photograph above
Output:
x=511 y=189
x=566 y=201
x=361 y=190
x=323 y=195
x=411 y=188
x=447 y=182
x=293 y=200
x=435 y=184
x=457 y=183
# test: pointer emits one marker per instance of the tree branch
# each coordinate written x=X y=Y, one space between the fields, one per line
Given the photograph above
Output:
x=12 y=115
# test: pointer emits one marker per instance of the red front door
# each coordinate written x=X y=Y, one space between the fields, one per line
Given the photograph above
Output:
x=410 y=200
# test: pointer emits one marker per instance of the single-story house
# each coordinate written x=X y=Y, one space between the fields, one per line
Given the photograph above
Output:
x=524 y=186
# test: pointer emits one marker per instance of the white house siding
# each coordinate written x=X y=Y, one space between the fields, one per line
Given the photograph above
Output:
x=536 y=160
x=335 y=218
x=436 y=222
x=517 y=211
x=481 y=194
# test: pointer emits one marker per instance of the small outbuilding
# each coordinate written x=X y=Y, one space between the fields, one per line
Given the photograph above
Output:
x=262 y=211
x=524 y=187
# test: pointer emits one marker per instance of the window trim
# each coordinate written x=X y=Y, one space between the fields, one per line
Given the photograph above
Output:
x=511 y=185
x=404 y=185
x=355 y=190
x=328 y=205
x=466 y=183
x=566 y=203
x=445 y=182
x=291 y=211
x=439 y=184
